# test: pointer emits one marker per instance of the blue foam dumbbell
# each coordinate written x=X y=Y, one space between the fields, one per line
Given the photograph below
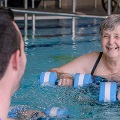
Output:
x=57 y=112
x=48 y=78
x=108 y=91
x=15 y=110
x=82 y=79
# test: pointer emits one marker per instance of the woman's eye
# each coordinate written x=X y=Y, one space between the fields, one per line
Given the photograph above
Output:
x=105 y=36
x=117 y=37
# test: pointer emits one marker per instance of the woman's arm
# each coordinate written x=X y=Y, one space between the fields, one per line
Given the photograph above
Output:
x=82 y=64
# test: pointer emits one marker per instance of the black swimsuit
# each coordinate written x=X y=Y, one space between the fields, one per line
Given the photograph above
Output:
x=96 y=63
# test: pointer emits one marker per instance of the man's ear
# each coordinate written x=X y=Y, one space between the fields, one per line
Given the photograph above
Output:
x=15 y=59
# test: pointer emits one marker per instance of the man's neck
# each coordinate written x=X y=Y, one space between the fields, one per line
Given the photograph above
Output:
x=5 y=99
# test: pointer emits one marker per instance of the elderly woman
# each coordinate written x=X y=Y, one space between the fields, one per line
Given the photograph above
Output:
x=105 y=64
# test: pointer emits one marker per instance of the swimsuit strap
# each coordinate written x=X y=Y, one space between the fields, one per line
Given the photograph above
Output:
x=96 y=63
x=34 y=115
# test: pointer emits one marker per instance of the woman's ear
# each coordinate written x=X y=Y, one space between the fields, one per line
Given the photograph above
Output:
x=15 y=59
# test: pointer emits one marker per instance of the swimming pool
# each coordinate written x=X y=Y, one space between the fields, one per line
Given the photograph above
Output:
x=54 y=43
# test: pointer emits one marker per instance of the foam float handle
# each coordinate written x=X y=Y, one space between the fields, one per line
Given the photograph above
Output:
x=82 y=79
x=48 y=77
x=57 y=112
x=108 y=91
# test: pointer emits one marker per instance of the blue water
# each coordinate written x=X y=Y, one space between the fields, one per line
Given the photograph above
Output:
x=53 y=44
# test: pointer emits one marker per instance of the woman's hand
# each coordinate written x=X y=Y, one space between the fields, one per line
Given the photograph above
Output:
x=65 y=79
x=118 y=95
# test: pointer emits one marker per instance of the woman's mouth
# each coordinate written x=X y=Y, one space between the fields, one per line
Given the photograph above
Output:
x=112 y=48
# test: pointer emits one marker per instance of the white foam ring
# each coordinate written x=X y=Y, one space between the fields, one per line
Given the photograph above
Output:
x=107 y=92
x=46 y=77
x=53 y=111
x=81 y=79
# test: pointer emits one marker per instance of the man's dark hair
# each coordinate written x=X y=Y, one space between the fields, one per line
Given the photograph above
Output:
x=6 y=12
x=9 y=40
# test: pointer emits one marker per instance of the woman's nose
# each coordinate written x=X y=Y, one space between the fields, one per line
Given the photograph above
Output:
x=111 y=39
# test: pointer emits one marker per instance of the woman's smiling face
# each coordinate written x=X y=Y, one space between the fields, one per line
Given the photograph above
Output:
x=110 y=41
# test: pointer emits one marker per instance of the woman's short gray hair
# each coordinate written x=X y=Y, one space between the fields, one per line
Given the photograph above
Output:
x=109 y=23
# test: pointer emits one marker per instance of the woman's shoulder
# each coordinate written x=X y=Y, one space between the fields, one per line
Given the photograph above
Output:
x=94 y=54
x=90 y=55
x=87 y=59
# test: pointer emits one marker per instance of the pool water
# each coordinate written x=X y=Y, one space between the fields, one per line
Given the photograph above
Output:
x=53 y=43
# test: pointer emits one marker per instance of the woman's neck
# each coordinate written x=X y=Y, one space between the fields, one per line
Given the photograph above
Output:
x=113 y=65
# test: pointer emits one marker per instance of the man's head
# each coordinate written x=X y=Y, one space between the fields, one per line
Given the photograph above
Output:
x=12 y=56
x=6 y=12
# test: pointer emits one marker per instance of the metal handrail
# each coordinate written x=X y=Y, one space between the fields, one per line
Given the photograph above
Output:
x=33 y=13
x=53 y=13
